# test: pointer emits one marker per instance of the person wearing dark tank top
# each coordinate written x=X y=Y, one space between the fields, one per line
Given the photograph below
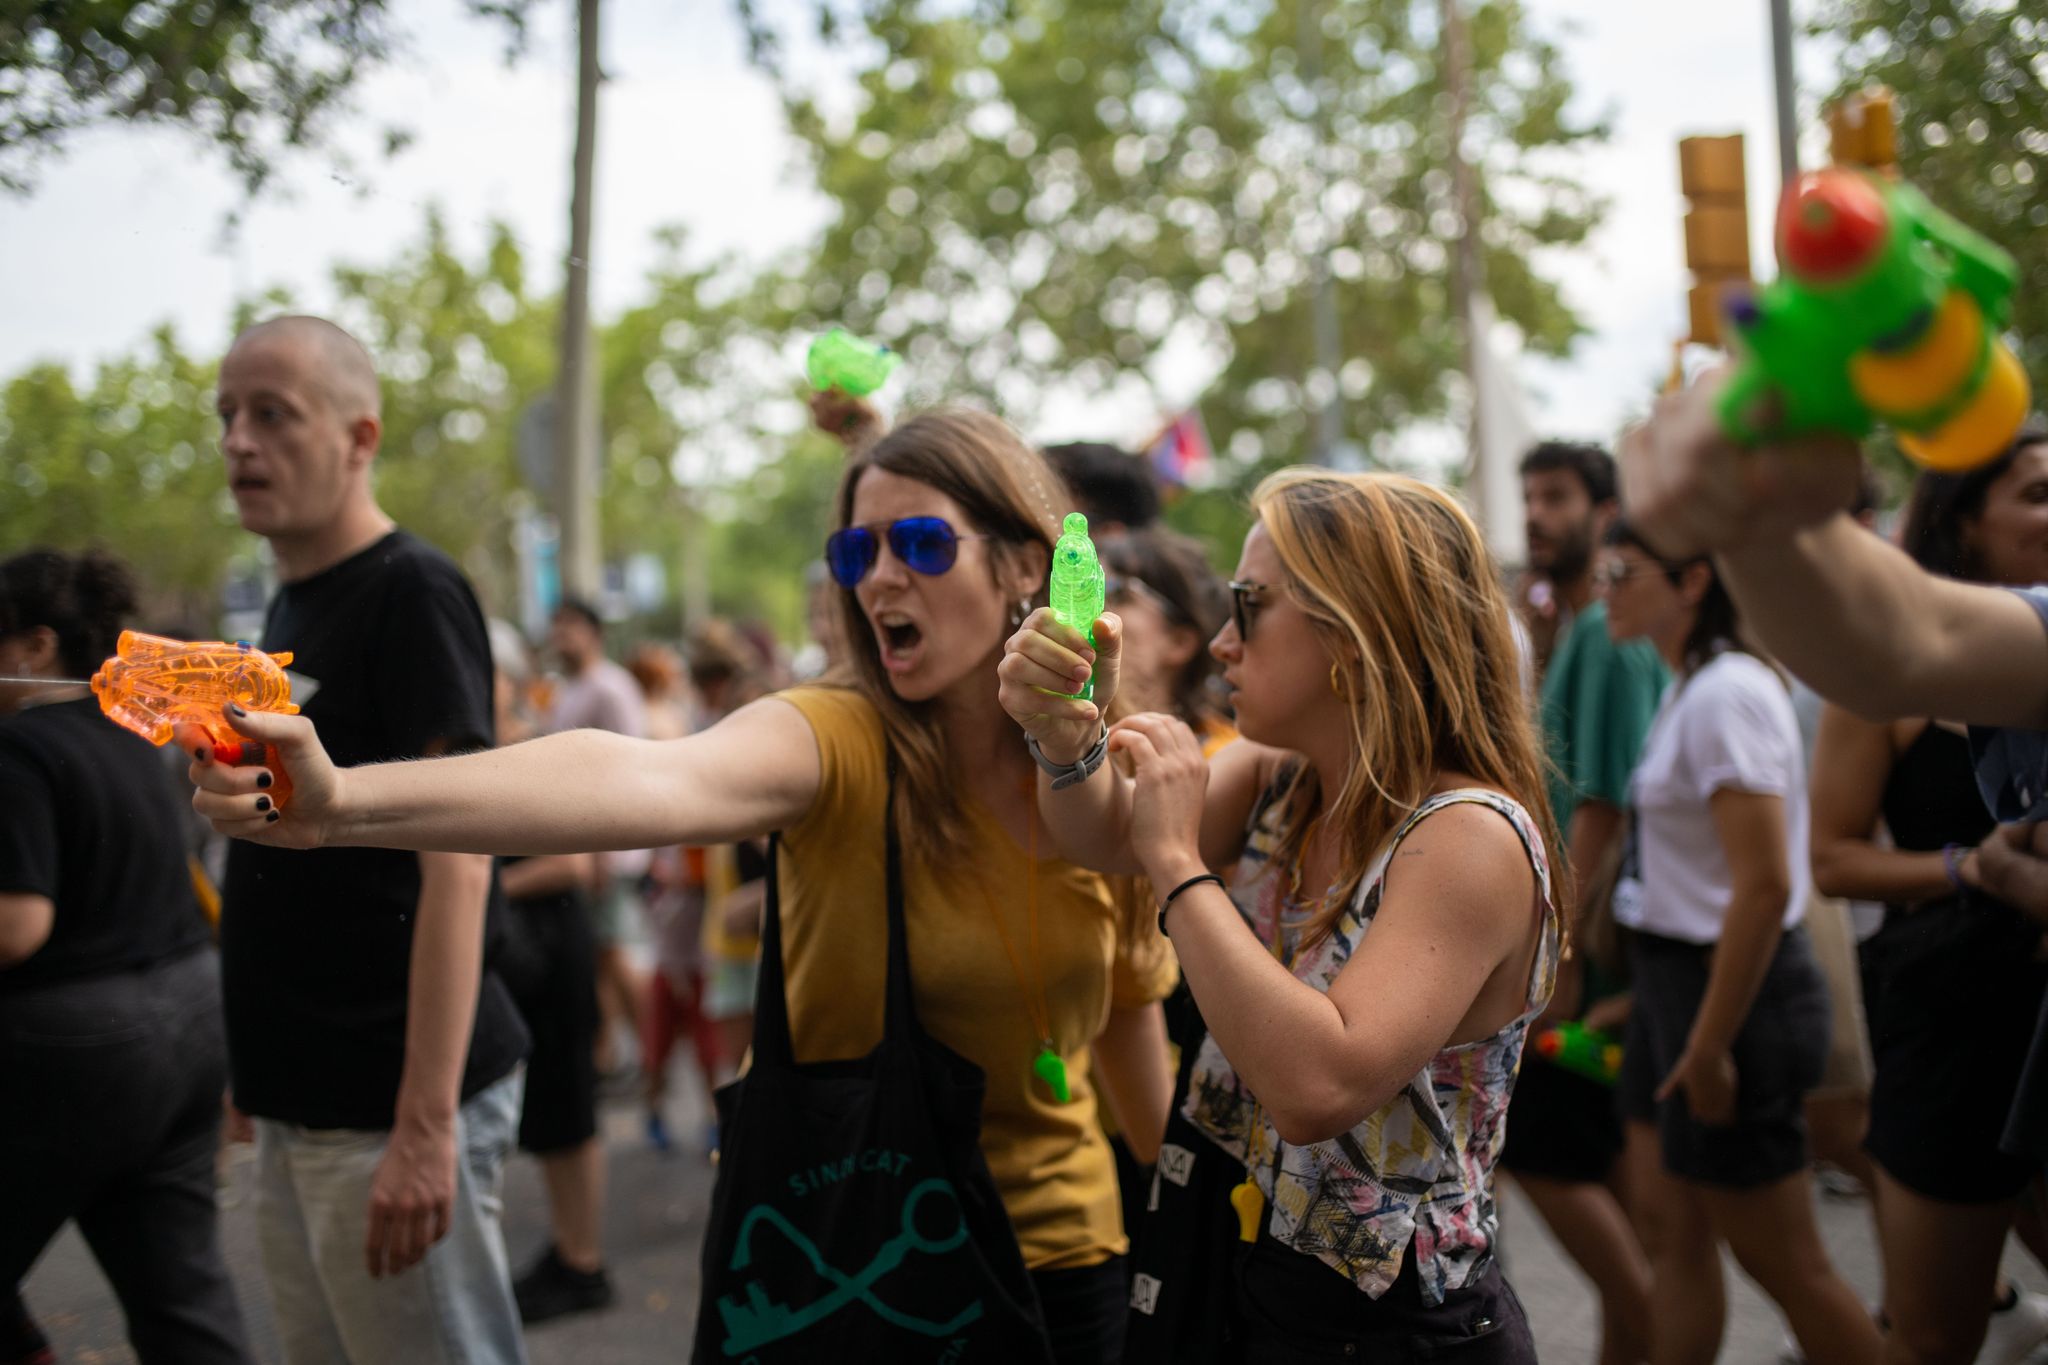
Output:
x=1952 y=981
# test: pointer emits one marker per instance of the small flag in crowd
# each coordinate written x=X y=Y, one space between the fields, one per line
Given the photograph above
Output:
x=1180 y=454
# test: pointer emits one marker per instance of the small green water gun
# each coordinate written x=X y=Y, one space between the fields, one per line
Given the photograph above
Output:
x=1885 y=309
x=840 y=360
x=1076 y=591
x=1581 y=1051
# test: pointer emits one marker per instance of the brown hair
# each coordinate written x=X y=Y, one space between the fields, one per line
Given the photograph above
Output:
x=1009 y=493
x=1401 y=590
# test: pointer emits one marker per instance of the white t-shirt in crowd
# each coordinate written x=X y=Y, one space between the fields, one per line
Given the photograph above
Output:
x=1728 y=727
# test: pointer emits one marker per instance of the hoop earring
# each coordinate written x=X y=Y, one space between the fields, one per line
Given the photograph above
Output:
x=1337 y=686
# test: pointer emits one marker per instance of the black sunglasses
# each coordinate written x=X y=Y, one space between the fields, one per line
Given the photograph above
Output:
x=1245 y=605
x=929 y=545
x=1118 y=588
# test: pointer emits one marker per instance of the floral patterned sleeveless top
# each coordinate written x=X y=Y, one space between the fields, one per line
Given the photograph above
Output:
x=1418 y=1172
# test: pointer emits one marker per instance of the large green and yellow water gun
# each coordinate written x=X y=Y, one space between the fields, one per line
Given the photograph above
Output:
x=1885 y=310
x=1077 y=591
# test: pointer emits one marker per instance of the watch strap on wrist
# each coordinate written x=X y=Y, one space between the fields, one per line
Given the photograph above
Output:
x=1066 y=775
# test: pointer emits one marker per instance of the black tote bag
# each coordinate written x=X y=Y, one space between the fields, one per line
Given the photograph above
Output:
x=853 y=1217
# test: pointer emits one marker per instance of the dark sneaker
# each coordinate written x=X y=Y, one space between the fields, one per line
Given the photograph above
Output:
x=552 y=1290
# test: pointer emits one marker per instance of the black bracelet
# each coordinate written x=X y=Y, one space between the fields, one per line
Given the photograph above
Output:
x=1174 y=894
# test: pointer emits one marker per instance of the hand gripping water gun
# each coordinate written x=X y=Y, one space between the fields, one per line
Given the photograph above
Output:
x=840 y=360
x=1077 y=591
x=1885 y=309
x=152 y=684
x=1581 y=1051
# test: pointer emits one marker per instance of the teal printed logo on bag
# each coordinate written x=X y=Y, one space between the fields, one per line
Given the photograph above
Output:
x=760 y=1320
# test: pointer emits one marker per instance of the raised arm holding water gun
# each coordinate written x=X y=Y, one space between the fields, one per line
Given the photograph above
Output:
x=845 y=372
x=1887 y=310
x=1854 y=616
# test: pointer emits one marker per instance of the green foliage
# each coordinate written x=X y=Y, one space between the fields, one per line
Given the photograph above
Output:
x=128 y=461
x=254 y=77
x=1050 y=191
x=131 y=459
x=1972 y=81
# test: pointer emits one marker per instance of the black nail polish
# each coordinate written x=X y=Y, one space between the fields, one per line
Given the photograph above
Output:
x=263 y=779
x=234 y=709
x=262 y=803
x=271 y=816
x=202 y=754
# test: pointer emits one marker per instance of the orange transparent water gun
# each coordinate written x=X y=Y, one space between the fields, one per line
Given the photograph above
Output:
x=152 y=684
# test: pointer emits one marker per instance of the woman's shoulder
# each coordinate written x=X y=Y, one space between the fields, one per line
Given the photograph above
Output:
x=836 y=713
x=852 y=744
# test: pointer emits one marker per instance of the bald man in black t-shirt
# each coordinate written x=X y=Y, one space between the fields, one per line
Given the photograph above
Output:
x=367 y=1034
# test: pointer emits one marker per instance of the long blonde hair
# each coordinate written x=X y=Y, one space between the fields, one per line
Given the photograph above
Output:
x=1400 y=588
x=1008 y=492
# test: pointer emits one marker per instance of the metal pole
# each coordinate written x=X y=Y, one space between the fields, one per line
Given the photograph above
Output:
x=576 y=427
x=1788 y=99
x=1323 y=330
x=1467 y=270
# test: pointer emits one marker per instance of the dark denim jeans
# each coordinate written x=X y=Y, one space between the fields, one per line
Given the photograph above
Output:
x=111 y=1091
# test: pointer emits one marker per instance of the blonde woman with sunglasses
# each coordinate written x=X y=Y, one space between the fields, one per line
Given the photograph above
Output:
x=1019 y=961
x=1368 y=980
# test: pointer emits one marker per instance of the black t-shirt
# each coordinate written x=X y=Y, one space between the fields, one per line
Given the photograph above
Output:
x=391 y=661
x=91 y=818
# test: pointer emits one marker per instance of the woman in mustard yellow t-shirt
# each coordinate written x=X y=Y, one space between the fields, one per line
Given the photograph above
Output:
x=945 y=534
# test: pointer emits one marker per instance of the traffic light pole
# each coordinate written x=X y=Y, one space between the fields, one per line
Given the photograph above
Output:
x=576 y=422
x=1788 y=101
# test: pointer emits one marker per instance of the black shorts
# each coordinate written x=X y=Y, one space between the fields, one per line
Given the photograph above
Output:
x=1779 y=1053
x=1561 y=1125
x=1959 y=990
x=1291 y=1309
x=548 y=960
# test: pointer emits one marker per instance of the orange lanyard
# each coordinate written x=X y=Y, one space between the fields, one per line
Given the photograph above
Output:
x=1048 y=1066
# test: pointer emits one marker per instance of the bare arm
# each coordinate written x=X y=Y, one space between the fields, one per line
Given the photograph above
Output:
x=1455 y=907
x=1852 y=759
x=1131 y=1062
x=1853 y=616
x=1868 y=628
x=585 y=791
x=412 y=1194
x=1751 y=827
x=1596 y=824
x=25 y=923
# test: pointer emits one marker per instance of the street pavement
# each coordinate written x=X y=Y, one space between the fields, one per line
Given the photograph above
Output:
x=654 y=1219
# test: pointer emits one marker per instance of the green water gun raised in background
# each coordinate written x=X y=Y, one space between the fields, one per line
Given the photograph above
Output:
x=1581 y=1051
x=840 y=360
x=1076 y=591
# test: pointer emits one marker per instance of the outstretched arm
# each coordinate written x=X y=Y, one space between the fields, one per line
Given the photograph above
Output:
x=585 y=791
x=1852 y=615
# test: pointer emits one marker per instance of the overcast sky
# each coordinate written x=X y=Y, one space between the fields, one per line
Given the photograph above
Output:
x=124 y=232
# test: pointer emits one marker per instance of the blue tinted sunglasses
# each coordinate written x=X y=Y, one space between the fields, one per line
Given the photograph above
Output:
x=929 y=545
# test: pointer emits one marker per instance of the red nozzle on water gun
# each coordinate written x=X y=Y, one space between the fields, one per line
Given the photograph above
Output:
x=1581 y=1051
x=153 y=684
